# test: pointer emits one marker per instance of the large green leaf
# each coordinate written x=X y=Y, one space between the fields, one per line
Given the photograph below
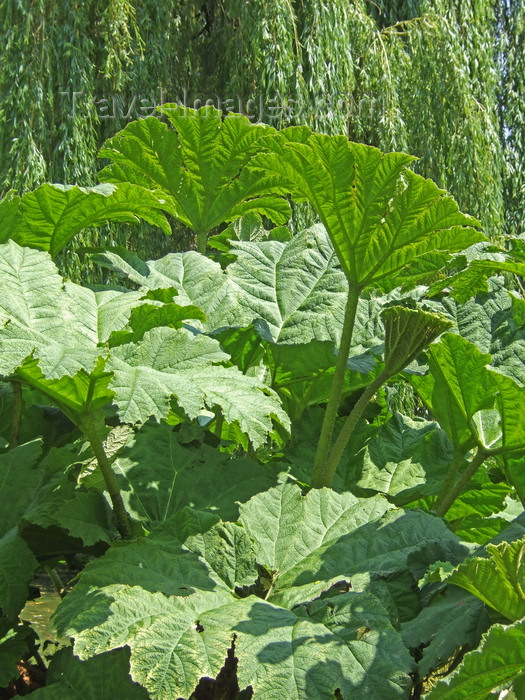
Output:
x=17 y=567
x=516 y=473
x=16 y=643
x=86 y=516
x=176 y=363
x=62 y=327
x=104 y=677
x=495 y=323
x=453 y=620
x=43 y=494
x=498 y=579
x=498 y=660
x=174 y=642
x=307 y=542
x=346 y=643
x=456 y=387
x=477 y=515
x=158 y=476
x=474 y=405
x=228 y=553
x=169 y=654
x=407 y=459
x=301 y=449
x=19 y=480
x=215 y=556
x=198 y=165
x=293 y=291
x=388 y=225
x=51 y=215
x=60 y=324
x=197 y=279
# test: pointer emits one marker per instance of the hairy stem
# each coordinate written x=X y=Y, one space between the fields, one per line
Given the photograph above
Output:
x=16 y=421
x=348 y=428
x=39 y=660
x=452 y=472
x=57 y=582
x=323 y=447
x=219 y=424
x=87 y=424
x=445 y=500
x=202 y=240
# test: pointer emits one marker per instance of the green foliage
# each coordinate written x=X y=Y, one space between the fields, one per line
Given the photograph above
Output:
x=498 y=580
x=216 y=565
x=388 y=226
x=54 y=338
x=70 y=678
x=14 y=645
x=198 y=166
x=474 y=404
x=193 y=475
x=406 y=459
x=498 y=660
x=452 y=620
x=47 y=218
x=292 y=290
x=175 y=640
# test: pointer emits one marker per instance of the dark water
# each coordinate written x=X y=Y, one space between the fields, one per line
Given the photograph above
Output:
x=38 y=612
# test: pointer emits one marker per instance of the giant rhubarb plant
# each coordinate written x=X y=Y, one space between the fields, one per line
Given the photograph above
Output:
x=86 y=349
x=389 y=228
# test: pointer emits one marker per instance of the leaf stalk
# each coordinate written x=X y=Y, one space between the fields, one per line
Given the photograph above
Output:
x=319 y=477
x=202 y=241
x=87 y=424
x=16 y=421
x=348 y=428
x=447 y=498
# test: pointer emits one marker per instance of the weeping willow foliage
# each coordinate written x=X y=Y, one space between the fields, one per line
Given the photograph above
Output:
x=511 y=92
x=443 y=79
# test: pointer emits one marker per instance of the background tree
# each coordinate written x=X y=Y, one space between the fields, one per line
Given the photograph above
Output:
x=443 y=80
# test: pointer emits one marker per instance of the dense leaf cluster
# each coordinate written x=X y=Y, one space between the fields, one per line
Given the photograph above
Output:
x=289 y=465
